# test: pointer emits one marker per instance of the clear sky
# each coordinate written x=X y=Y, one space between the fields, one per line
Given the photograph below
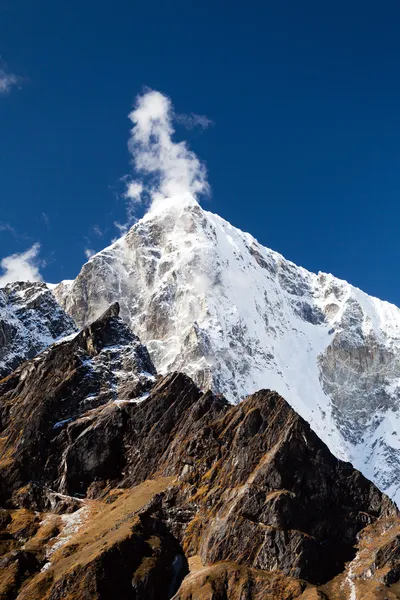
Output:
x=303 y=151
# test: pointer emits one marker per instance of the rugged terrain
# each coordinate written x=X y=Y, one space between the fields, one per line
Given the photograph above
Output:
x=210 y=301
x=116 y=482
x=30 y=320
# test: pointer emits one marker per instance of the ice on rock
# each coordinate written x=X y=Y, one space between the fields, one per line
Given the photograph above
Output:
x=30 y=320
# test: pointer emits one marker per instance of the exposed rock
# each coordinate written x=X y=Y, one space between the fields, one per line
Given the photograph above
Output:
x=112 y=480
x=264 y=487
x=237 y=582
x=115 y=550
x=30 y=320
x=209 y=300
x=15 y=567
x=61 y=414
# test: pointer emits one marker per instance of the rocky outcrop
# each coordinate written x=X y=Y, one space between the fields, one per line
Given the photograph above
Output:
x=116 y=481
x=30 y=320
x=115 y=550
x=259 y=484
x=60 y=414
x=238 y=582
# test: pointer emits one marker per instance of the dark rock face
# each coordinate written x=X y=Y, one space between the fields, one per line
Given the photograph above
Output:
x=58 y=413
x=112 y=480
x=30 y=320
x=264 y=487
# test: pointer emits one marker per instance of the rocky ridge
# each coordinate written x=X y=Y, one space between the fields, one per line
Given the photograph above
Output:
x=30 y=320
x=118 y=482
x=210 y=301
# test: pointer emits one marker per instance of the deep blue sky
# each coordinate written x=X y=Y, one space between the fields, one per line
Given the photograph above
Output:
x=305 y=97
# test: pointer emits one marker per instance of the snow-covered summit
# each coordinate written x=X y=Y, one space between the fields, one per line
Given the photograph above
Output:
x=209 y=300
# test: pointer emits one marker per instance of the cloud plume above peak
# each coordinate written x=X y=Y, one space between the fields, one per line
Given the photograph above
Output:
x=21 y=267
x=166 y=168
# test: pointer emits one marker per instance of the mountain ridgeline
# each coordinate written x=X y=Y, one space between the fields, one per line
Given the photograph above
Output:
x=118 y=482
x=185 y=421
x=210 y=301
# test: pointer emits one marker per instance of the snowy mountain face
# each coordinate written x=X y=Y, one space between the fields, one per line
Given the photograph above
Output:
x=30 y=320
x=209 y=300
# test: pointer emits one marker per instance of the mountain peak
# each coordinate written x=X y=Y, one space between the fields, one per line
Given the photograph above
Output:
x=209 y=300
x=175 y=203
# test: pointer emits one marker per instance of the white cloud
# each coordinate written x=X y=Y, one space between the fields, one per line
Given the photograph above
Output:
x=168 y=168
x=89 y=253
x=134 y=196
x=134 y=191
x=7 y=81
x=21 y=267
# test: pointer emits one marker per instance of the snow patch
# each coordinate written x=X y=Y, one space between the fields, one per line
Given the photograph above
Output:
x=71 y=524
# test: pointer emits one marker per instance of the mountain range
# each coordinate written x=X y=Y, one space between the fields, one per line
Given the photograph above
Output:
x=210 y=301
x=118 y=482
x=196 y=418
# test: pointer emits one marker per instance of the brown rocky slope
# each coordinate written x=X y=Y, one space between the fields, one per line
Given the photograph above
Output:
x=116 y=483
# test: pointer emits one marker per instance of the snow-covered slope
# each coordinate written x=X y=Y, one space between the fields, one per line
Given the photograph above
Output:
x=30 y=320
x=209 y=300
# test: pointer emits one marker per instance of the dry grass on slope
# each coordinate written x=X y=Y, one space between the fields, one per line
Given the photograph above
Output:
x=108 y=526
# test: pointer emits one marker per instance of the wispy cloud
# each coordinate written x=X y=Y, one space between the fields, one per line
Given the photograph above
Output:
x=21 y=267
x=45 y=218
x=193 y=120
x=9 y=228
x=7 y=81
x=165 y=167
x=89 y=253
x=134 y=191
x=89 y=243
x=123 y=227
x=134 y=194
x=97 y=231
